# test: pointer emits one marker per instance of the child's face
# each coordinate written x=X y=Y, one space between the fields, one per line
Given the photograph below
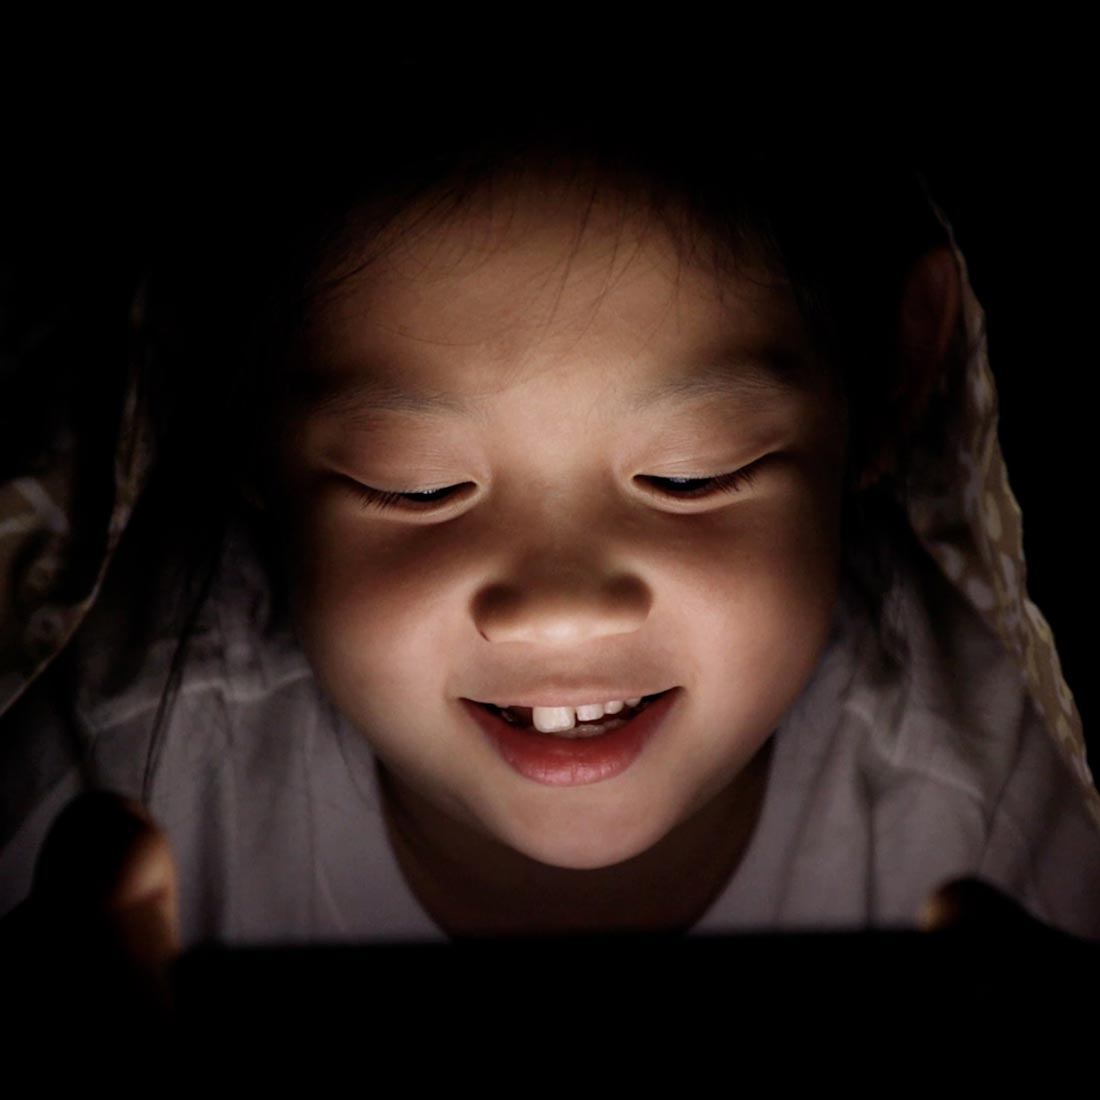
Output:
x=550 y=360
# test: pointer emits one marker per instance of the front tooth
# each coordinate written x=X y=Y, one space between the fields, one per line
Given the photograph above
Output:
x=590 y=712
x=553 y=719
x=613 y=707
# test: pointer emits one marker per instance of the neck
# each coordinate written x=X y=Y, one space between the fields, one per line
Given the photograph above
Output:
x=472 y=885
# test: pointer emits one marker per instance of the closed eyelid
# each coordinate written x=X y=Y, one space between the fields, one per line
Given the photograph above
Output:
x=426 y=501
x=383 y=499
x=699 y=488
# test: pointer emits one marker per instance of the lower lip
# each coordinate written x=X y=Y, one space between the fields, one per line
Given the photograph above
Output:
x=573 y=762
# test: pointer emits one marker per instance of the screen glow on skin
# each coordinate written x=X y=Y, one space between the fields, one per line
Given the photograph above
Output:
x=534 y=349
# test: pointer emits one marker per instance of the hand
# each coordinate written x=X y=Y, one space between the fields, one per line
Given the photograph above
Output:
x=971 y=905
x=93 y=945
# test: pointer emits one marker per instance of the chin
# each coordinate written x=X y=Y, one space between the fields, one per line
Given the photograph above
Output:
x=585 y=847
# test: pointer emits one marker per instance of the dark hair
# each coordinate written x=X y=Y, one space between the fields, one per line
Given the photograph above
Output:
x=237 y=262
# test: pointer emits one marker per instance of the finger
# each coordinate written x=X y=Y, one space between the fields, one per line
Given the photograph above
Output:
x=969 y=904
x=106 y=893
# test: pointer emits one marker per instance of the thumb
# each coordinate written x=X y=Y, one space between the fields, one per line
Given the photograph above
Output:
x=106 y=894
x=971 y=905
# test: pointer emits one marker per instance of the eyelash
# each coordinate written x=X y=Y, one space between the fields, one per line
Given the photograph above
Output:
x=725 y=483
x=416 y=502
x=702 y=487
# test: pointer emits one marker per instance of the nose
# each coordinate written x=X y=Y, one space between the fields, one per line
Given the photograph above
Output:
x=551 y=601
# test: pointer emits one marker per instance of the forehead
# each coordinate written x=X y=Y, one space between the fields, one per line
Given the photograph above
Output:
x=547 y=285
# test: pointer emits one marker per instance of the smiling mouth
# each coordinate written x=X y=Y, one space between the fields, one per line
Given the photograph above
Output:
x=523 y=718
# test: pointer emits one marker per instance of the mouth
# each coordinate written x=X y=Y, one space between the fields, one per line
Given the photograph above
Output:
x=569 y=722
x=589 y=751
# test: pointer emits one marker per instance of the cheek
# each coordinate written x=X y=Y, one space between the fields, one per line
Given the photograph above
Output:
x=755 y=599
x=780 y=550
x=369 y=600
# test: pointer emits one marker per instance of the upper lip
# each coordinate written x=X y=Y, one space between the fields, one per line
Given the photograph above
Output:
x=566 y=697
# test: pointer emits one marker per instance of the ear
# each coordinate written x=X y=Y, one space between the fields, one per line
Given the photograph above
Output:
x=930 y=307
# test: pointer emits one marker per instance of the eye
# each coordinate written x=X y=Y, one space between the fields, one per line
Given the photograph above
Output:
x=697 y=488
x=417 y=500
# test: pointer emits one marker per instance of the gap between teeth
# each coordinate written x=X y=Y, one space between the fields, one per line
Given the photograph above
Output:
x=560 y=719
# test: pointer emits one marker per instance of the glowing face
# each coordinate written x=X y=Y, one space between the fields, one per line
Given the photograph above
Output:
x=549 y=367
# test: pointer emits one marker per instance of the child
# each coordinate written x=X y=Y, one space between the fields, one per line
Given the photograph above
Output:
x=616 y=538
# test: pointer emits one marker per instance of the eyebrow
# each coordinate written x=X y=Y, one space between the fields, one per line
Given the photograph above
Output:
x=735 y=374
x=349 y=398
